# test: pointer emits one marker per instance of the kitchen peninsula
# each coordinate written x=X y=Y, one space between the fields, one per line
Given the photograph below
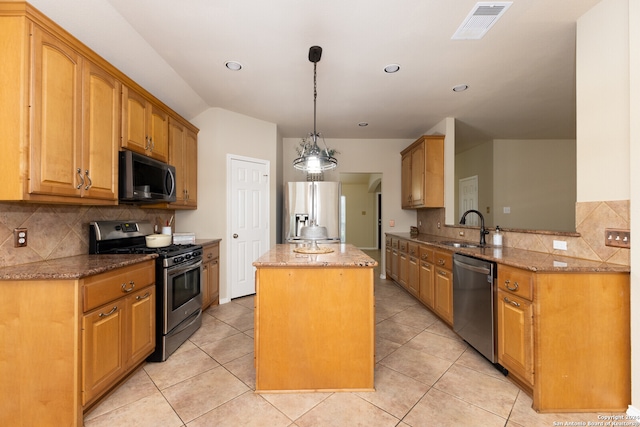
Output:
x=314 y=320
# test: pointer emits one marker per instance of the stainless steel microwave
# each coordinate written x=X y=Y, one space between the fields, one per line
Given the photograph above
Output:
x=145 y=180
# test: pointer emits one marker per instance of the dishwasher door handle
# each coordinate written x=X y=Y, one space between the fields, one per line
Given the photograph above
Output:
x=472 y=267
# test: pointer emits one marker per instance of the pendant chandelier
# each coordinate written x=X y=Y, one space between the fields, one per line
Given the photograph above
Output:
x=314 y=159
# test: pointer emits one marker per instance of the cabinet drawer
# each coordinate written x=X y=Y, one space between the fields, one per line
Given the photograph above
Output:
x=403 y=245
x=387 y=241
x=426 y=254
x=211 y=252
x=516 y=281
x=394 y=243
x=413 y=249
x=443 y=260
x=105 y=287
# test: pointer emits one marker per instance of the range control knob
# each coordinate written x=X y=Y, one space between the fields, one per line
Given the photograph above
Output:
x=178 y=259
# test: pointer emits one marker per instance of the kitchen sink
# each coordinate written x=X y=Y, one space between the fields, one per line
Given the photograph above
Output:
x=461 y=244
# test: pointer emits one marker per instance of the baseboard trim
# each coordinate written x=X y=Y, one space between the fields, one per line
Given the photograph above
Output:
x=633 y=413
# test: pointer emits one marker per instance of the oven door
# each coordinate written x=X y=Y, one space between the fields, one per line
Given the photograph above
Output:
x=182 y=293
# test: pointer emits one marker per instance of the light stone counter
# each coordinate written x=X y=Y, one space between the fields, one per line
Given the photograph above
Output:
x=344 y=255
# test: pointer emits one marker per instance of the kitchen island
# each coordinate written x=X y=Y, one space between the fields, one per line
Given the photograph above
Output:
x=314 y=320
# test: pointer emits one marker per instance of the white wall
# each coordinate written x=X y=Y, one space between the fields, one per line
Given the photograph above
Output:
x=602 y=75
x=223 y=132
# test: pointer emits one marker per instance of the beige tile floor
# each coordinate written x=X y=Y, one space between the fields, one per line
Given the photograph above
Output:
x=425 y=376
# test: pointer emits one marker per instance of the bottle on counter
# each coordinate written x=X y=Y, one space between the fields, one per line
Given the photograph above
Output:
x=497 y=237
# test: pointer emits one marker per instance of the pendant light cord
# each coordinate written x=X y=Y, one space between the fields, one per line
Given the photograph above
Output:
x=315 y=96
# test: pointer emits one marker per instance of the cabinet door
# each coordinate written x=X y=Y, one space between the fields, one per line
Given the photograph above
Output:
x=443 y=294
x=515 y=335
x=413 y=282
x=388 y=261
x=191 y=167
x=134 y=121
x=403 y=273
x=101 y=132
x=102 y=348
x=395 y=264
x=406 y=181
x=158 y=134
x=141 y=325
x=417 y=175
x=177 y=159
x=214 y=282
x=56 y=118
x=206 y=293
x=426 y=294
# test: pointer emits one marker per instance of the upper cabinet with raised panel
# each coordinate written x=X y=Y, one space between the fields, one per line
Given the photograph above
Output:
x=65 y=114
x=423 y=173
x=63 y=119
x=183 y=154
x=145 y=126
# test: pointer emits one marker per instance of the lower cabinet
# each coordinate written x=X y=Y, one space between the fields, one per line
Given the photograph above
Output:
x=211 y=275
x=119 y=334
x=413 y=282
x=515 y=335
x=443 y=286
x=67 y=342
x=427 y=291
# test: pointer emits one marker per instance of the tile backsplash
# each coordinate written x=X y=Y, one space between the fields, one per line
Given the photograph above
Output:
x=587 y=242
x=58 y=231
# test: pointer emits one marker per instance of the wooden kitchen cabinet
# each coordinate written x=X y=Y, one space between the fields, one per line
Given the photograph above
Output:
x=64 y=344
x=403 y=260
x=387 y=256
x=413 y=281
x=515 y=335
x=422 y=173
x=119 y=334
x=210 y=275
x=443 y=286
x=145 y=126
x=395 y=259
x=550 y=329
x=183 y=154
x=426 y=277
x=63 y=146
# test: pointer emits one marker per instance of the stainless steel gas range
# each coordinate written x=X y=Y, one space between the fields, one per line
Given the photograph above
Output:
x=178 y=279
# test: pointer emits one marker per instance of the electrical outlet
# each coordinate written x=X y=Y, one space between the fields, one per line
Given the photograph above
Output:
x=561 y=245
x=19 y=237
x=617 y=237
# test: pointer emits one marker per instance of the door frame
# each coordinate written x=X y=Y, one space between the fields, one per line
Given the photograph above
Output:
x=229 y=231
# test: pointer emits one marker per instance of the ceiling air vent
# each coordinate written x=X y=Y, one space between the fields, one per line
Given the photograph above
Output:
x=482 y=17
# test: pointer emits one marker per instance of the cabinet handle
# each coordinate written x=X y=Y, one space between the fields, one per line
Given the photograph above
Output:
x=146 y=142
x=514 y=303
x=141 y=297
x=441 y=261
x=113 y=310
x=86 y=172
x=442 y=273
x=152 y=144
x=515 y=285
x=79 y=172
x=130 y=288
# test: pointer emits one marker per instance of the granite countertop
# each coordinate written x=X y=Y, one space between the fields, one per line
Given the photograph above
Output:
x=344 y=255
x=71 y=268
x=205 y=242
x=520 y=258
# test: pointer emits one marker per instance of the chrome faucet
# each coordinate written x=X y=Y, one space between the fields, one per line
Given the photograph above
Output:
x=483 y=231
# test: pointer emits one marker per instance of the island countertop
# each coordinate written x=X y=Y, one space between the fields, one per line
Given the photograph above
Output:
x=343 y=255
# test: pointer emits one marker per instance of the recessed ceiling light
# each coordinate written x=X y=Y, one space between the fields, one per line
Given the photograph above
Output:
x=233 y=65
x=392 y=68
x=363 y=124
x=460 y=88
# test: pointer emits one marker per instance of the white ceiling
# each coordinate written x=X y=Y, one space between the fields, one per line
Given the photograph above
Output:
x=521 y=74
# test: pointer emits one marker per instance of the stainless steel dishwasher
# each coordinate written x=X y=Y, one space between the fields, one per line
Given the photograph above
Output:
x=473 y=301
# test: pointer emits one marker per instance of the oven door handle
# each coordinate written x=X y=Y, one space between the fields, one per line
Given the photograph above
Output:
x=184 y=267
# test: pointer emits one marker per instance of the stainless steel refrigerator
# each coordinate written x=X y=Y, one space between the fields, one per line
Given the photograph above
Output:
x=305 y=200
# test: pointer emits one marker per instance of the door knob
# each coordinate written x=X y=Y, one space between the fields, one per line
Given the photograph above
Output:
x=235 y=236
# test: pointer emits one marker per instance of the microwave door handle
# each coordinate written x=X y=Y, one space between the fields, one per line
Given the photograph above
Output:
x=170 y=182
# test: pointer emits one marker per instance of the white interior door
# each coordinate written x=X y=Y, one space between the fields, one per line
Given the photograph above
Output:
x=468 y=190
x=249 y=220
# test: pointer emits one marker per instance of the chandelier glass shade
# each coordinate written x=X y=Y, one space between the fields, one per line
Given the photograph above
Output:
x=314 y=159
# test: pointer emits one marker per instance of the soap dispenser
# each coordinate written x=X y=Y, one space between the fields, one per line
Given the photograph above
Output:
x=497 y=237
